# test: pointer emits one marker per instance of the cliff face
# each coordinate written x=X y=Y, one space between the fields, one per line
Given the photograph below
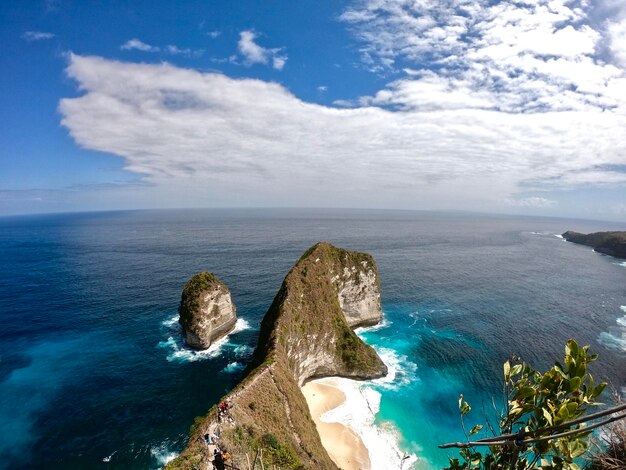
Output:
x=206 y=311
x=608 y=243
x=306 y=333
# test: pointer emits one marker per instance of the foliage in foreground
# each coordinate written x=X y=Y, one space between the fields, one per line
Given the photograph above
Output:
x=536 y=401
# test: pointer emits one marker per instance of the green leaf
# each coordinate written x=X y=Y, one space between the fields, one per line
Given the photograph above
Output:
x=524 y=392
x=572 y=347
x=599 y=389
x=475 y=429
x=547 y=415
x=516 y=369
x=574 y=383
x=563 y=414
x=507 y=369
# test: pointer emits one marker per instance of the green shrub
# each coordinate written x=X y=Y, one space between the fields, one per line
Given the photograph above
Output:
x=535 y=402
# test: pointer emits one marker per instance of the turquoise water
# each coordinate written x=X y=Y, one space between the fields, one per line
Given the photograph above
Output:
x=92 y=364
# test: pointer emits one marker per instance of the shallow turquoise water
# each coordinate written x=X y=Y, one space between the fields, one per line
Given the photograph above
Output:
x=92 y=365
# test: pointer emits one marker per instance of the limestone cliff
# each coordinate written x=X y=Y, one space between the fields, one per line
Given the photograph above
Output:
x=206 y=311
x=306 y=333
x=609 y=243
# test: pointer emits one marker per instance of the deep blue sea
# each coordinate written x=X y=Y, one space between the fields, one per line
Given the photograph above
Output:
x=92 y=363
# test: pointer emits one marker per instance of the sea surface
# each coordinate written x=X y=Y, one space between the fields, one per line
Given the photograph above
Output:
x=92 y=364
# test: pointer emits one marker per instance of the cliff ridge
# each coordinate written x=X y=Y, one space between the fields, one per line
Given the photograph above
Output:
x=306 y=333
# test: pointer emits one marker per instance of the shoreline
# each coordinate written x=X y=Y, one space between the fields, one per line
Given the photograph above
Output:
x=344 y=446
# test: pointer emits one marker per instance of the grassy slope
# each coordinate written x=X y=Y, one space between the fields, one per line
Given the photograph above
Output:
x=269 y=411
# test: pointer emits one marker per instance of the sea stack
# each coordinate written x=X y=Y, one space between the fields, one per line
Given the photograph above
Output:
x=206 y=310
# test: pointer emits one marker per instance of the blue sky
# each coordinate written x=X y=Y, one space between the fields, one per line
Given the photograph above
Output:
x=421 y=104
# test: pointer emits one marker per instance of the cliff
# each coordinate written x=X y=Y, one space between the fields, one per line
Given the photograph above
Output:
x=206 y=311
x=306 y=333
x=608 y=243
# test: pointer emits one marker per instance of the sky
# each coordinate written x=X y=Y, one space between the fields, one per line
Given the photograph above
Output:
x=492 y=106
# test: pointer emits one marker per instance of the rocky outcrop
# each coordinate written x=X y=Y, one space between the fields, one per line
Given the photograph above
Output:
x=306 y=333
x=608 y=243
x=206 y=310
x=359 y=294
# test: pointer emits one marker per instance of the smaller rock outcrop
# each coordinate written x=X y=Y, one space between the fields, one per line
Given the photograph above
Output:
x=206 y=310
x=608 y=243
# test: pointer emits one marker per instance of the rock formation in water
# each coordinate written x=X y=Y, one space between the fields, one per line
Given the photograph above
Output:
x=608 y=243
x=306 y=333
x=206 y=310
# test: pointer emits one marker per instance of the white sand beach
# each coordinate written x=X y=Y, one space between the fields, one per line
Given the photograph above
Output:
x=345 y=447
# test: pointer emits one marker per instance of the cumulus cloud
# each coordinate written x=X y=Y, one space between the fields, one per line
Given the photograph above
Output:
x=256 y=54
x=212 y=137
x=31 y=36
x=515 y=57
x=136 y=44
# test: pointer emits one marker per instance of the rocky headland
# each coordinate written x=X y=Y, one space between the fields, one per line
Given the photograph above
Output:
x=306 y=333
x=206 y=310
x=608 y=243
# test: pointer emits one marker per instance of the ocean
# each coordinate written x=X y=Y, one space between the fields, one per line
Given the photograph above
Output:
x=92 y=364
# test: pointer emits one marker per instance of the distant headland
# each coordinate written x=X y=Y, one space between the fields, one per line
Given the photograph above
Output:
x=608 y=243
x=307 y=333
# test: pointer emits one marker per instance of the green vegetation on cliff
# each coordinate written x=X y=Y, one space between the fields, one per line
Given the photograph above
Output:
x=609 y=243
x=194 y=287
x=303 y=335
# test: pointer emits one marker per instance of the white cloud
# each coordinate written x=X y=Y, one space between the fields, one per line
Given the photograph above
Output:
x=136 y=44
x=207 y=137
x=256 y=54
x=278 y=62
x=533 y=201
x=31 y=36
x=322 y=88
x=616 y=30
x=534 y=56
x=214 y=34
x=175 y=50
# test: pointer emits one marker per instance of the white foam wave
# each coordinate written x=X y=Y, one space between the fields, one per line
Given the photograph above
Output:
x=358 y=412
x=559 y=236
x=615 y=338
x=622 y=264
x=243 y=351
x=612 y=342
x=241 y=325
x=180 y=352
x=233 y=367
x=162 y=455
x=384 y=323
x=170 y=322
x=400 y=370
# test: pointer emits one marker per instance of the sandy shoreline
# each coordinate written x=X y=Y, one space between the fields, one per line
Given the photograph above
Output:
x=345 y=447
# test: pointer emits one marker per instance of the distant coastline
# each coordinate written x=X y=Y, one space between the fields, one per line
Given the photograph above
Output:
x=608 y=243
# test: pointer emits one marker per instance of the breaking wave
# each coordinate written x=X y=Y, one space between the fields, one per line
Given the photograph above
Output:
x=233 y=367
x=162 y=455
x=615 y=338
x=358 y=413
x=178 y=351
